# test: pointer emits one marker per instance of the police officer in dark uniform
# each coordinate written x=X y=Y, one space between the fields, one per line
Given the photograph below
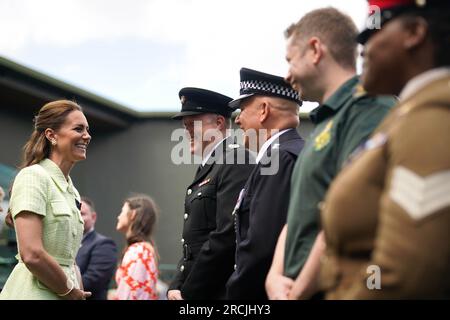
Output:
x=270 y=110
x=208 y=239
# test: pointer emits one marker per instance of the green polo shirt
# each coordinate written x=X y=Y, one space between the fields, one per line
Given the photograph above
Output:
x=342 y=123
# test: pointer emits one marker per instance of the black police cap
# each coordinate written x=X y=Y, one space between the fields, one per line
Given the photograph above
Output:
x=197 y=101
x=259 y=83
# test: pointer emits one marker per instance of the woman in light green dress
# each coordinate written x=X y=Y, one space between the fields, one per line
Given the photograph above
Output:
x=45 y=207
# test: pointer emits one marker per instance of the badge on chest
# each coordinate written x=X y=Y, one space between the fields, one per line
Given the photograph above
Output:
x=376 y=141
x=204 y=182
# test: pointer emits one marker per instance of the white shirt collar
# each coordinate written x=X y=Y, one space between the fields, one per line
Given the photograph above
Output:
x=420 y=81
x=212 y=150
x=267 y=144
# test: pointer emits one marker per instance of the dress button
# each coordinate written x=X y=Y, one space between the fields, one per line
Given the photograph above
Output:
x=189 y=191
x=199 y=194
x=235 y=267
x=182 y=268
x=182 y=240
x=186 y=216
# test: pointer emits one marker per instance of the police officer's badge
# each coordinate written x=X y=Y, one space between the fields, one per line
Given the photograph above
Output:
x=323 y=138
x=183 y=99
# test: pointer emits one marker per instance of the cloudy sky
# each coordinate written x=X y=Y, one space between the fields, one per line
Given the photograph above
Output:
x=140 y=53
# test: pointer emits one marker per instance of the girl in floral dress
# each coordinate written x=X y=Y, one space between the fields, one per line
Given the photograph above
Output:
x=137 y=274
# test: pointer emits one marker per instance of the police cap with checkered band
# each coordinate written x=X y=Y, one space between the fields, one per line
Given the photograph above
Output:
x=197 y=101
x=259 y=83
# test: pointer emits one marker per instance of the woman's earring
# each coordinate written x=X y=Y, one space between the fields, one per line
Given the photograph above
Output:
x=53 y=142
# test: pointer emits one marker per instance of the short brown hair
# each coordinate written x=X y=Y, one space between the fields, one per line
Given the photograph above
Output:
x=334 y=28
x=89 y=202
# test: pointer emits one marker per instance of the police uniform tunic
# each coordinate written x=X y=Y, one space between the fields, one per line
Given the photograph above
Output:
x=42 y=189
x=343 y=122
x=260 y=216
x=387 y=215
x=208 y=239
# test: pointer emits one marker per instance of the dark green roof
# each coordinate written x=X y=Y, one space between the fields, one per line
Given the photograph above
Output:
x=64 y=85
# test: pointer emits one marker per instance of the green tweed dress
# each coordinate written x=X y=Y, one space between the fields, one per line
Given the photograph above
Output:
x=43 y=190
